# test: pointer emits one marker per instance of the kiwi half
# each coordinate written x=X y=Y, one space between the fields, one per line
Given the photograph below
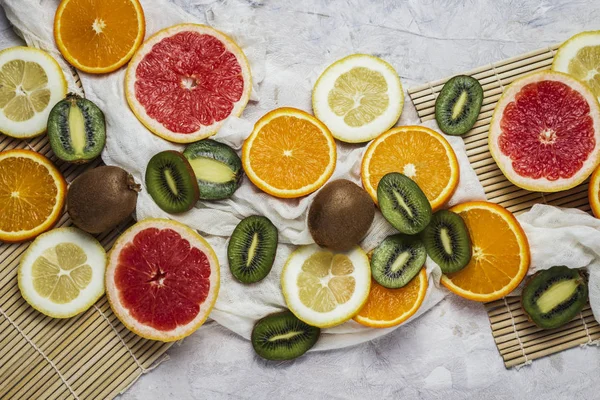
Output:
x=403 y=203
x=458 y=104
x=171 y=182
x=252 y=248
x=553 y=297
x=397 y=260
x=282 y=336
x=447 y=241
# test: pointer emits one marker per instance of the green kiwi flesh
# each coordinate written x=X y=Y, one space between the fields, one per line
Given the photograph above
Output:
x=76 y=130
x=282 y=336
x=553 y=297
x=458 y=104
x=171 y=182
x=397 y=260
x=403 y=203
x=252 y=249
x=217 y=167
x=447 y=241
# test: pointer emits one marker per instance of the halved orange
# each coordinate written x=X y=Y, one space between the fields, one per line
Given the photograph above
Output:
x=99 y=36
x=500 y=253
x=32 y=195
x=594 y=192
x=289 y=153
x=418 y=152
x=390 y=307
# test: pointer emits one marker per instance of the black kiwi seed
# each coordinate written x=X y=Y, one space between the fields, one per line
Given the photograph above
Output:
x=282 y=336
x=403 y=203
x=171 y=182
x=458 y=104
x=447 y=241
x=397 y=260
x=252 y=248
x=553 y=297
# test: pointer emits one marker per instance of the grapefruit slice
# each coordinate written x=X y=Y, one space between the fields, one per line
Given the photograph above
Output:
x=162 y=279
x=545 y=132
x=185 y=81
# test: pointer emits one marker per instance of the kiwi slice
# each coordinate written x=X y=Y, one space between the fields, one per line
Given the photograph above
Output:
x=553 y=297
x=171 y=182
x=252 y=248
x=397 y=260
x=403 y=203
x=458 y=104
x=76 y=130
x=447 y=241
x=282 y=336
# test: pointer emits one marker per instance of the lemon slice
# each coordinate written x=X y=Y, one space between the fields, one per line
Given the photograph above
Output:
x=31 y=83
x=325 y=288
x=358 y=97
x=580 y=57
x=62 y=272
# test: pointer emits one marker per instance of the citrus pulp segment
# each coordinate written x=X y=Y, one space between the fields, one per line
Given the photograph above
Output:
x=325 y=288
x=185 y=81
x=545 y=132
x=162 y=279
x=358 y=98
x=31 y=83
x=32 y=195
x=289 y=153
x=62 y=273
x=99 y=36
x=594 y=192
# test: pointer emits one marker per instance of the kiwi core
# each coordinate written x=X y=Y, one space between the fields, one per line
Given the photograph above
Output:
x=77 y=129
x=210 y=170
x=459 y=105
x=556 y=294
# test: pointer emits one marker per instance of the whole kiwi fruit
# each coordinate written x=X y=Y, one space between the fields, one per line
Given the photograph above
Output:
x=340 y=215
x=102 y=198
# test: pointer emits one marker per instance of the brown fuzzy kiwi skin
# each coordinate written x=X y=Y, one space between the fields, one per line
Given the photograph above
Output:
x=340 y=215
x=102 y=198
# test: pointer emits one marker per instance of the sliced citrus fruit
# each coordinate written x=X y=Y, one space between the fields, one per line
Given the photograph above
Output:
x=99 y=36
x=358 y=97
x=594 y=192
x=162 y=279
x=500 y=253
x=62 y=273
x=32 y=195
x=390 y=307
x=289 y=153
x=325 y=288
x=580 y=57
x=185 y=81
x=545 y=132
x=31 y=83
x=420 y=153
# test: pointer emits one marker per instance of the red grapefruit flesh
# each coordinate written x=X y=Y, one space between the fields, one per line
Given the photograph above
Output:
x=545 y=132
x=162 y=279
x=186 y=80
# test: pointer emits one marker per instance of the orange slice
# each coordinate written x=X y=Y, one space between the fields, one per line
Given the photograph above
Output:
x=390 y=307
x=32 y=195
x=594 y=192
x=500 y=253
x=289 y=153
x=420 y=153
x=99 y=36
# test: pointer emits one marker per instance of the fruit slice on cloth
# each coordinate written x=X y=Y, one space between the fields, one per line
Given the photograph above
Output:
x=390 y=307
x=580 y=57
x=31 y=83
x=594 y=192
x=545 y=132
x=32 y=195
x=421 y=154
x=186 y=80
x=289 y=153
x=99 y=36
x=325 y=288
x=162 y=279
x=62 y=273
x=500 y=253
x=358 y=97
